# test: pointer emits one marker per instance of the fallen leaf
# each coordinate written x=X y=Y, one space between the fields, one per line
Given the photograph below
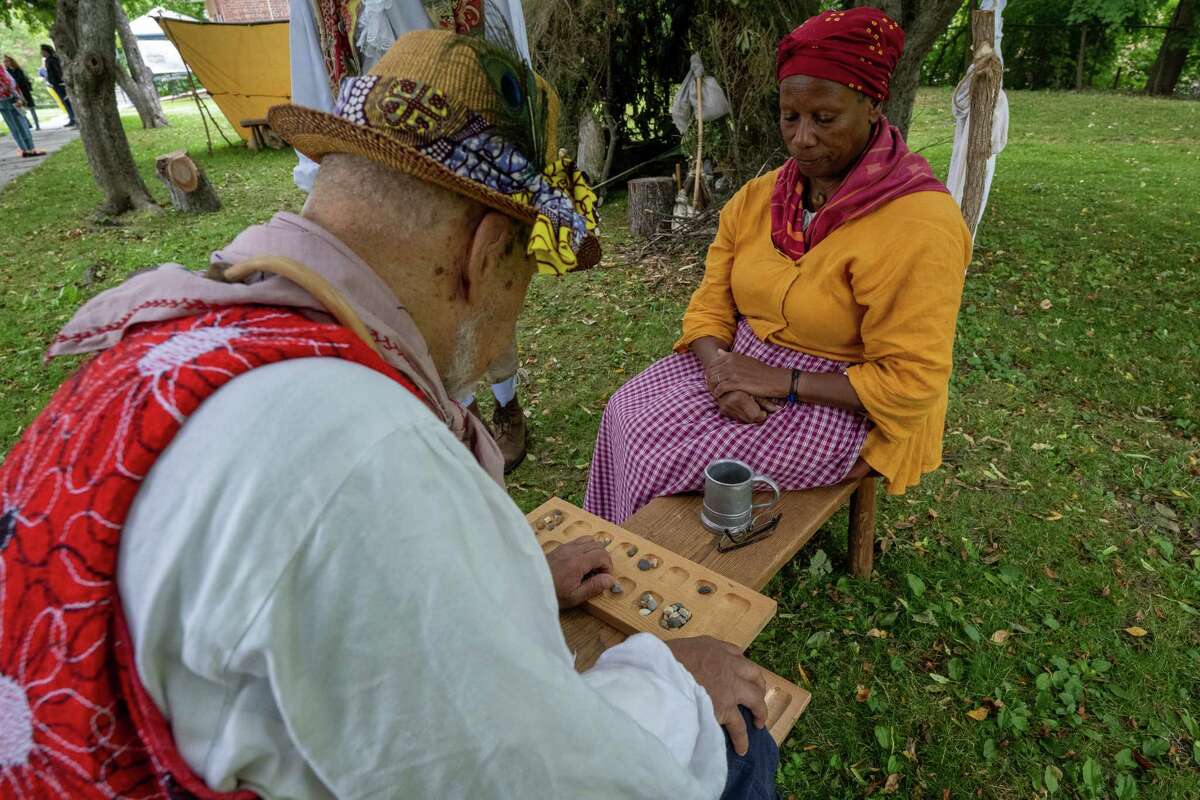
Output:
x=876 y=633
x=1046 y=304
x=979 y=714
x=1000 y=637
x=1136 y=632
x=862 y=694
x=892 y=783
x=1049 y=573
x=803 y=674
x=1053 y=516
x=1142 y=761
x=910 y=750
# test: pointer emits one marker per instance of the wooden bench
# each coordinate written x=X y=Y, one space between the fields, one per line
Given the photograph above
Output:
x=261 y=135
x=674 y=523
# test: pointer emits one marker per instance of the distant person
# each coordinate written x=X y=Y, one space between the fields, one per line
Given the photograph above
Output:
x=18 y=75
x=54 y=77
x=10 y=108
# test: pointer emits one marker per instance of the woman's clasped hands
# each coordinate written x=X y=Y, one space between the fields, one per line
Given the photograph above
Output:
x=745 y=388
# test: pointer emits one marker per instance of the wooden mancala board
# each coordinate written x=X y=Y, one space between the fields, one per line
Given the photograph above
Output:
x=785 y=703
x=719 y=607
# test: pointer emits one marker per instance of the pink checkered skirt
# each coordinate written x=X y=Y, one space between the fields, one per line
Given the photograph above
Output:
x=663 y=428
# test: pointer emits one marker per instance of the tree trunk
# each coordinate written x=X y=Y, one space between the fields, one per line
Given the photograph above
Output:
x=140 y=84
x=590 y=154
x=1173 y=54
x=651 y=205
x=1079 y=59
x=923 y=22
x=85 y=34
x=985 y=90
x=134 y=92
x=614 y=142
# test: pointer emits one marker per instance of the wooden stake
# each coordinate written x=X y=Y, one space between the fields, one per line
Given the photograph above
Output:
x=1079 y=60
x=699 y=140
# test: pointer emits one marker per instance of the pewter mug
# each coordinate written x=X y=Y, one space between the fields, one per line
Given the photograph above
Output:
x=729 y=496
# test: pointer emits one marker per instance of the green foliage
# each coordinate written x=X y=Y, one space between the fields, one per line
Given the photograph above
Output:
x=21 y=40
x=1042 y=38
x=1113 y=12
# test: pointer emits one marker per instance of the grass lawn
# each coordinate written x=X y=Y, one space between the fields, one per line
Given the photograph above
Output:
x=1033 y=627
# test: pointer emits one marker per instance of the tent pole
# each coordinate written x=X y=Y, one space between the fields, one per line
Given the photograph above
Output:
x=699 y=141
x=195 y=94
x=200 y=107
x=204 y=109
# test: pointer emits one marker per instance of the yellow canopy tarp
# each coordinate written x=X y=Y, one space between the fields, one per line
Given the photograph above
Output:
x=244 y=66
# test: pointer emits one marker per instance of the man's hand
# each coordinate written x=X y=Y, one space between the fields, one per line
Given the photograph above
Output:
x=733 y=372
x=730 y=679
x=581 y=569
x=744 y=407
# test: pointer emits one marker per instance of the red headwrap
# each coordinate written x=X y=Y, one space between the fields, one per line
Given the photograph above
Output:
x=858 y=48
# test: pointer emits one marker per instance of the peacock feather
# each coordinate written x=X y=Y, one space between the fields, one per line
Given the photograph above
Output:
x=518 y=104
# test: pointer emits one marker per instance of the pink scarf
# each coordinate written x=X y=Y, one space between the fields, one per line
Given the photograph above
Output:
x=171 y=291
x=886 y=170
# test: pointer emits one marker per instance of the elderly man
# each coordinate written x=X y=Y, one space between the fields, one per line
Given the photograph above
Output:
x=254 y=548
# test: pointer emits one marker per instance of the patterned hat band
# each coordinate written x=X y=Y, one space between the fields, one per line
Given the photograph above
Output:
x=422 y=117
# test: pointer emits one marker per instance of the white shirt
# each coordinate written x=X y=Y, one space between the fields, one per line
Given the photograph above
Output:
x=329 y=598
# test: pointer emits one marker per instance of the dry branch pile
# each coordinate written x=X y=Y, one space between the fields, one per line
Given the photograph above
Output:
x=673 y=260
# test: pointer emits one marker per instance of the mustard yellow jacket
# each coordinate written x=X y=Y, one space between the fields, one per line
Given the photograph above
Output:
x=881 y=291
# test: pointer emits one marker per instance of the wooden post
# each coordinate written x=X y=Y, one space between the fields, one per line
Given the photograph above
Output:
x=985 y=91
x=189 y=186
x=651 y=205
x=861 y=543
x=1080 y=58
x=699 y=140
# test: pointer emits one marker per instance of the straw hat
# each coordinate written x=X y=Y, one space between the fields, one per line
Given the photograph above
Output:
x=466 y=114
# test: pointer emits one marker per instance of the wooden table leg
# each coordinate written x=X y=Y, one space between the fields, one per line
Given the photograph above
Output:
x=861 y=545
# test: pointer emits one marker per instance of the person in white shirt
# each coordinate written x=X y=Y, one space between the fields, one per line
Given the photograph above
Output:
x=327 y=592
x=370 y=33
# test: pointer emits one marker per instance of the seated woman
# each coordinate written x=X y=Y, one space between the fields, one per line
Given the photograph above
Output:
x=818 y=346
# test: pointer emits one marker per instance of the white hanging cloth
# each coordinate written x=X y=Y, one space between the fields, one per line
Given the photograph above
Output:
x=380 y=23
x=961 y=106
x=716 y=104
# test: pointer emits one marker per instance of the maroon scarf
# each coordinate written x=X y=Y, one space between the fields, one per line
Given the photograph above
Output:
x=886 y=170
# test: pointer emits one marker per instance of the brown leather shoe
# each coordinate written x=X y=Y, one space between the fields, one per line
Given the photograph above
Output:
x=508 y=428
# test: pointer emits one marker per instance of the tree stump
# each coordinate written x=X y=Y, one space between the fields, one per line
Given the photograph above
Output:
x=651 y=201
x=187 y=183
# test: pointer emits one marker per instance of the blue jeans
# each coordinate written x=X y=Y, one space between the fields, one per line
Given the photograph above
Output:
x=752 y=776
x=18 y=126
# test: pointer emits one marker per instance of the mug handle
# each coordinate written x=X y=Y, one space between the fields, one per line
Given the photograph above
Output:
x=769 y=506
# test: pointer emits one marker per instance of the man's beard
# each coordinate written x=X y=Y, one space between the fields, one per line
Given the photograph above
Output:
x=463 y=371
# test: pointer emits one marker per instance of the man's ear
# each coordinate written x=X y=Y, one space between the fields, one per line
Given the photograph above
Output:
x=489 y=243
